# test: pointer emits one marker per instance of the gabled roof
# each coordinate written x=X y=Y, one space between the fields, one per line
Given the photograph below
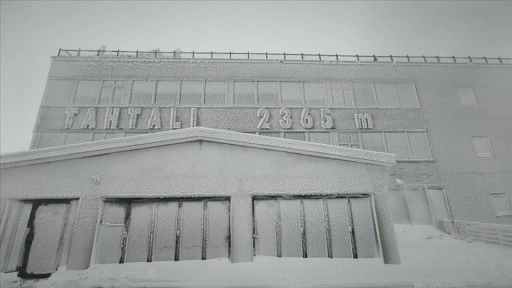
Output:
x=189 y=135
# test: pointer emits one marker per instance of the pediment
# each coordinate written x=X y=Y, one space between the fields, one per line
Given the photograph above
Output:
x=192 y=135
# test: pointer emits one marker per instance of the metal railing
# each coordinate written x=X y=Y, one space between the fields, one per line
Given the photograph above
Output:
x=484 y=232
x=285 y=57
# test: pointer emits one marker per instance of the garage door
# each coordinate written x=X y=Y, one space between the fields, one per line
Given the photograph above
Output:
x=339 y=227
x=37 y=238
x=146 y=230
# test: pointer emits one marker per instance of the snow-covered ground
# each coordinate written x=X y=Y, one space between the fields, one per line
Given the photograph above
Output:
x=430 y=259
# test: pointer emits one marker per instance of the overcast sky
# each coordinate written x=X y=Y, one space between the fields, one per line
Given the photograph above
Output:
x=32 y=32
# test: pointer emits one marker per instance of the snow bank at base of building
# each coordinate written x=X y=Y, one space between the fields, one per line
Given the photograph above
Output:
x=430 y=259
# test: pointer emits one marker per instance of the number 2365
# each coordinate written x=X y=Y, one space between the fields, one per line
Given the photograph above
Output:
x=306 y=120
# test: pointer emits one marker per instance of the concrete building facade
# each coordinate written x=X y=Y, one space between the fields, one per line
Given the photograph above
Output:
x=445 y=119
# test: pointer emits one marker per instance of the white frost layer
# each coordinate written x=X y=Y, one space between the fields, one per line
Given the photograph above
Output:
x=429 y=259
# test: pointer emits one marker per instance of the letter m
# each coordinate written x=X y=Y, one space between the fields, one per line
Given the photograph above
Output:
x=363 y=121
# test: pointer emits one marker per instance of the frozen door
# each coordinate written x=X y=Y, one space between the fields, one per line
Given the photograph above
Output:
x=111 y=233
x=339 y=228
x=398 y=205
x=48 y=227
x=315 y=227
x=165 y=231
x=265 y=219
x=12 y=246
x=217 y=239
x=191 y=230
x=364 y=229
x=137 y=245
x=418 y=206
x=291 y=240
x=438 y=205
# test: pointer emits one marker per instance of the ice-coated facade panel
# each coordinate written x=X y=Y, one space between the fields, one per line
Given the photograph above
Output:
x=415 y=107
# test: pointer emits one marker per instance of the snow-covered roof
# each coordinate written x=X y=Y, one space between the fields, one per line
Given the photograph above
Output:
x=189 y=135
x=269 y=56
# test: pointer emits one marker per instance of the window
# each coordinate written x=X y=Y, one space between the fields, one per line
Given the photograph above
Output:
x=75 y=138
x=111 y=92
x=342 y=94
x=320 y=137
x=87 y=92
x=60 y=92
x=167 y=92
x=364 y=94
x=407 y=145
x=244 y=93
x=397 y=143
x=147 y=230
x=291 y=93
x=295 y=136
x=466 y=96
x=49 y=139
x=271 y=134
x=350 y=140
x=142 y=92
x=407 y=95
x=482 y=146
x=268 y=93
x=501 y=204
x=215 y=93
x=373 y=141
x=386 y=95
x=314 y=93
x=191 y=92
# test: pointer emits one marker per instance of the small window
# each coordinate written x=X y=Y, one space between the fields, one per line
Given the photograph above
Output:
x=466 y=96
x=407 y=95
x=291 y=93
x=268 y=93
x=191 y=92
x=343 y=94
x=295 y=136
x=215 y=93
x=364 y=93
x=87 y=92
x=314 y=93
x=320 y=137
x=61 y=92
x=501 y=204
x=373 y=141
x=142 y=92
x=244 y=93
x=482 y=147
x=111 y=92
x=350 y=140
x=396 y=142
x=386 y=95
x=167 y=92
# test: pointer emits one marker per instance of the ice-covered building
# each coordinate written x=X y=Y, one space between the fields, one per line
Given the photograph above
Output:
x=419 y=140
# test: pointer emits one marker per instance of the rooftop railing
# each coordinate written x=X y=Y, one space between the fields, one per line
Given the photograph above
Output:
x=285 y=57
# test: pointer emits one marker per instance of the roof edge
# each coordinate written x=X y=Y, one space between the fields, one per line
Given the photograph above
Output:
x=67 y=152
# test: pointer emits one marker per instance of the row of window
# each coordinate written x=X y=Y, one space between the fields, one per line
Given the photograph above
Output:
x=241 y=93
x=407 y=145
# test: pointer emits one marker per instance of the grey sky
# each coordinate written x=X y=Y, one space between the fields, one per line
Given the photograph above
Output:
x=32 y=32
